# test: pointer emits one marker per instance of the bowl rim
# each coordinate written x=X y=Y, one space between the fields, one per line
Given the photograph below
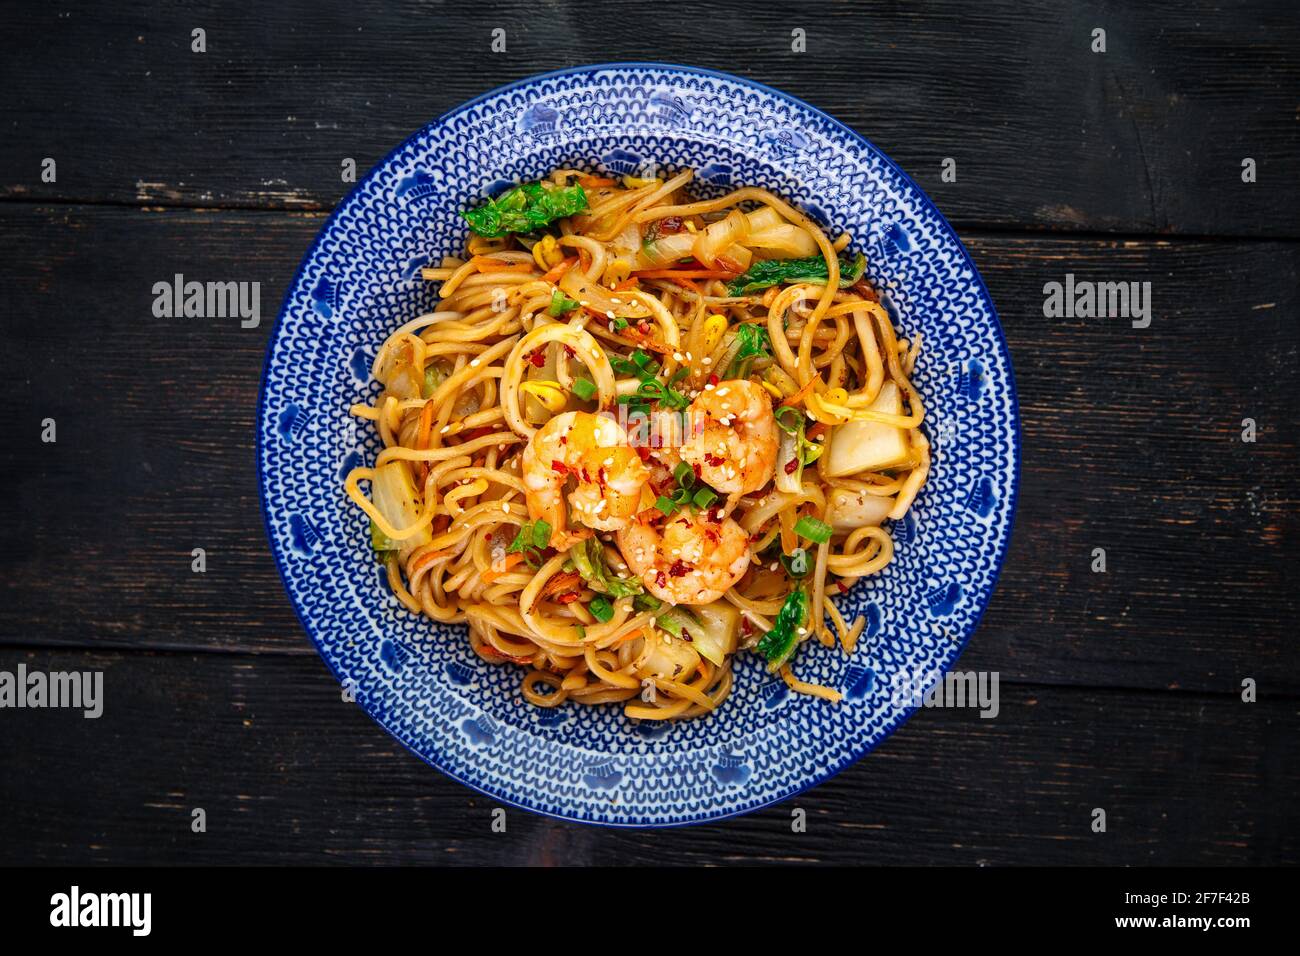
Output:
x=902 y=716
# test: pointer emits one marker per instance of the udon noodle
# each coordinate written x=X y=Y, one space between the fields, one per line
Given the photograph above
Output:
x=640 y=434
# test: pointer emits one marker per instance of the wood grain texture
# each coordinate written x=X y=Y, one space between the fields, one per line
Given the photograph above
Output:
x=1131 y=443
x=1146 y=137
x=288 y=773
x=1118 y=690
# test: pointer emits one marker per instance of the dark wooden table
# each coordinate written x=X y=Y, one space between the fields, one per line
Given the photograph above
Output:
x=1120 y=690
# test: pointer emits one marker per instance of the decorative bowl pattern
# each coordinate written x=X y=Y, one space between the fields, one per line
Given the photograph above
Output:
x=420 y=680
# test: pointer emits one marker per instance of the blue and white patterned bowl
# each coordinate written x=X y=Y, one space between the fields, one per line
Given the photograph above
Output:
x=419 y=680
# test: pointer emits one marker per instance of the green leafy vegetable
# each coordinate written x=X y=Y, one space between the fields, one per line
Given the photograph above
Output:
x=601 y=609
x=380 y=541
x=778 y=644
x=560 y=304
x=533 y=535
x=813 y=529
x=433 y=377
x=794 y=450
x=589 y=560
x=675 y=620
x=769 y=272
x=525 y=208
x=753 y=342
x=796 y=563
x=646 y=602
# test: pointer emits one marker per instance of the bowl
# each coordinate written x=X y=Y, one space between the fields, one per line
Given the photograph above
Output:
x=360 y=279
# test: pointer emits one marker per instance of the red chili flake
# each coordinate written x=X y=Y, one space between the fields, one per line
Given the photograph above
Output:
x=791 y=466
x=644 y=452
x=745 y=626
x=695 y=467
x=679 y=568
x=712 y=459
x=566 y=598
x=660 y=579
x=714 y=516
x=840 y=585
x=713 y=380
x=643 y=327
x=600 y=476
x=569 y=349
x=559 y=466
x=712 y=535
x=564 y=439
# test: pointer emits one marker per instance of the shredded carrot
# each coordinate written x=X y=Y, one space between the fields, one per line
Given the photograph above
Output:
x=426 y=559
x=595 y=182
x=629 y=636
x=685 y=274
x=815 y=430
x=508 y=562
x=627 y=284
x=686 y=284
x=422 y=439
x=488 y=264
x=768 y=296
x=426 y=426
x=584 y=259
x=798 y=397
x=645 y=341
x=557 y=271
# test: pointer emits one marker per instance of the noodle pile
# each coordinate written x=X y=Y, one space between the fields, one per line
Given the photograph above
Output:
x=601 y=311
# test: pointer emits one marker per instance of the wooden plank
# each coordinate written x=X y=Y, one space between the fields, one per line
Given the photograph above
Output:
x=1148 y=136
x=288 y=773
x=1131 y=444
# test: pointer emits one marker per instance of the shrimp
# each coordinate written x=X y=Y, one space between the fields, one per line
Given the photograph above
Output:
x=694 y=559
x=594 y=450
x=733 y=440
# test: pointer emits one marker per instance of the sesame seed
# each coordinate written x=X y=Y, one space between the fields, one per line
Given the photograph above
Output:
x=474 y=363
x=444 y=429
